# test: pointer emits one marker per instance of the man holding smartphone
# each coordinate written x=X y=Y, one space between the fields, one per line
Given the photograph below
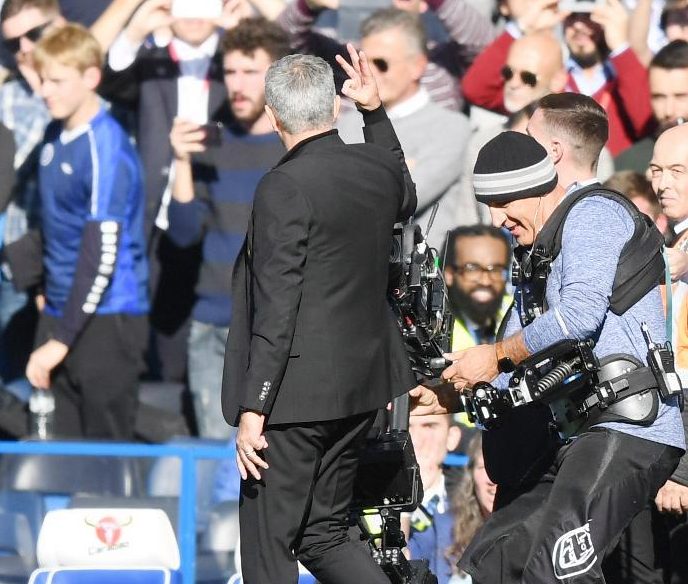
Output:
x=216 y=170
x=162 y=67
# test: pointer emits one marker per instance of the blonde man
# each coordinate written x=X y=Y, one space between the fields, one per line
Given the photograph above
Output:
x=92 y=329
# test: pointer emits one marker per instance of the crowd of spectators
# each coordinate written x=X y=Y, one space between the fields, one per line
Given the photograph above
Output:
x=188 y=94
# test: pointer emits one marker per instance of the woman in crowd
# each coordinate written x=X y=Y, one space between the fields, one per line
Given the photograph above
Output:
x=471 y=505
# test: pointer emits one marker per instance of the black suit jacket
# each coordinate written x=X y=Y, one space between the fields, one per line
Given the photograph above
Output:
x=312 y=336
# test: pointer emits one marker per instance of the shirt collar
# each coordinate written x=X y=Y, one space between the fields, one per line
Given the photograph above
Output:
x=67 y=136
x=409 y=106
x=439 y=489
x=681 y=226
x=187 y=52
x=579 y=185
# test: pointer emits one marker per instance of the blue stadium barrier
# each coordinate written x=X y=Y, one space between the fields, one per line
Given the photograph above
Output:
x=187 y=453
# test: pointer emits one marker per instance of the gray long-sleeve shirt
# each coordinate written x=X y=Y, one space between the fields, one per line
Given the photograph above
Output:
x=578 y=291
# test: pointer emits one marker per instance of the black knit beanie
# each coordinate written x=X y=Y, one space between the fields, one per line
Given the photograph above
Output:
x=512 y=166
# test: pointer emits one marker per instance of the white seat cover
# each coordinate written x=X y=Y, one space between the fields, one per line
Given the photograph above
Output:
x=107 y=537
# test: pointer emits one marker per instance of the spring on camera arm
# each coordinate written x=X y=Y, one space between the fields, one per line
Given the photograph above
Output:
x=556 y=376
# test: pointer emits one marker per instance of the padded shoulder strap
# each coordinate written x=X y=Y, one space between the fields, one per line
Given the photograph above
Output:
x=551 y=234
x=640 y=266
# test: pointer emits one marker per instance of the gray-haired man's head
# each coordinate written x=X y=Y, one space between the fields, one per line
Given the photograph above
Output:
x=299 y=89
x=395 y=43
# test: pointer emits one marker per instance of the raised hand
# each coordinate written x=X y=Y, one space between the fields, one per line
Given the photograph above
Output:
x=151 y=15
x=613 y=18
x=361 y=85
x=232 y=12
x=186 y=138
x=539 y=15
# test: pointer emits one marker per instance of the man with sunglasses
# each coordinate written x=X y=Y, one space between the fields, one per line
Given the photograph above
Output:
x=601 y=65
x=433 y=137
x=468 y=31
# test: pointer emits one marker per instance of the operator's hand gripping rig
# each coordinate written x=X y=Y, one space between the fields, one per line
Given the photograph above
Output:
x=578 y=388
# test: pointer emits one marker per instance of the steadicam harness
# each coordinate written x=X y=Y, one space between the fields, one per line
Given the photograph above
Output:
x=640 y=266
x=580 y=389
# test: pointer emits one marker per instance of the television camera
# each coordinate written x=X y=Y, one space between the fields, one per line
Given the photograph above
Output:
x=388 y=480
x=418 y=296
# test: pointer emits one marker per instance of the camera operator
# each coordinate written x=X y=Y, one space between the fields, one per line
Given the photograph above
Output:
x=313 y=351
x=561 y=504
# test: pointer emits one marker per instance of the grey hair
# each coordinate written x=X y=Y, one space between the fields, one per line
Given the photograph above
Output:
x=393 y=18
x=300 y=91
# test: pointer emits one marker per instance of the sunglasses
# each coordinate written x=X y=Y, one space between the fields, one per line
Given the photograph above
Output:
x=527 y=78
x=34 y=35
x=381 y=65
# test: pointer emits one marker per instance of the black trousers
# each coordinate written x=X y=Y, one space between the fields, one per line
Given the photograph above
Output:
x=642 y=555
x=299 y=510
x=561 y=528
x=96 y=387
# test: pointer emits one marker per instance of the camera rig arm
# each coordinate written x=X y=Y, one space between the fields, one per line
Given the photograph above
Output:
x=563 y=370
x=580 y=389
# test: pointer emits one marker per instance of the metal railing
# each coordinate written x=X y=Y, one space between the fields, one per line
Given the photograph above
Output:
x=187 y=453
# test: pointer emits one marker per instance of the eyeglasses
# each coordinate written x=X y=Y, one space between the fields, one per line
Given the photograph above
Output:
x=33 y=34
x=527 y=78
x=475 y=271
x=381 y=65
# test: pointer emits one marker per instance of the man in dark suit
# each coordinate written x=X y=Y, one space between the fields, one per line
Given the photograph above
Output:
x=313 y=350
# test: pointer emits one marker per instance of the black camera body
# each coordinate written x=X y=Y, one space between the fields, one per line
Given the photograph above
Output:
x=388 y=474
x=388 y=480
x=418 y=297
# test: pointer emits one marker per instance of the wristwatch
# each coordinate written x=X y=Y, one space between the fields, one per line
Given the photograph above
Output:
x=504 y=362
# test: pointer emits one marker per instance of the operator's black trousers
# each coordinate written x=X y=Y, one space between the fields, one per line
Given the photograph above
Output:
x=299 y=510
x=561 y=528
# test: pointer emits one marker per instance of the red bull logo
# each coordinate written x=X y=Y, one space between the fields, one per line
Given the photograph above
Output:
x=108 y=530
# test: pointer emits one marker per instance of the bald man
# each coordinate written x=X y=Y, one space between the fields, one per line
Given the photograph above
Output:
x=534 y=68
x=511 y=73
x=617 y=82
x=669 y=173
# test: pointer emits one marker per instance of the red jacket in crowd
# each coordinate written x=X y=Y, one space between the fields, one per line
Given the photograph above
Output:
x=625 y=97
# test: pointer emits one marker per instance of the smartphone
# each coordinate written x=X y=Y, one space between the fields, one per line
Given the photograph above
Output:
x=213 y=134
x=207 y=9
x=579 y=5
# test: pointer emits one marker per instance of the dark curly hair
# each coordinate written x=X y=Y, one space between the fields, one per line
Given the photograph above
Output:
x=252 y=34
